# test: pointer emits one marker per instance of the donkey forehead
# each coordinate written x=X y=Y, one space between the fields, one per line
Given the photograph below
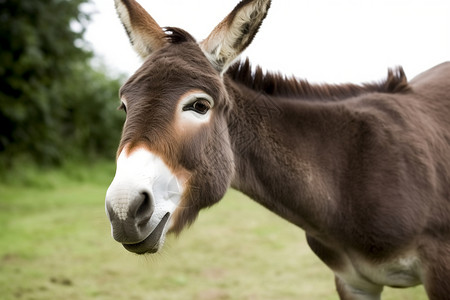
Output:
x=172 y=71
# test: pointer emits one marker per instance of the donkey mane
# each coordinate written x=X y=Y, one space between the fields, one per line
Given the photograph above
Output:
x=277 y=84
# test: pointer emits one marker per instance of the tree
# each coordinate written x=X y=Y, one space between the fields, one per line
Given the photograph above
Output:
x=50 y=95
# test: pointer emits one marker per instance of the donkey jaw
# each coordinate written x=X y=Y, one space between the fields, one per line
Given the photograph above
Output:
x=141 y=201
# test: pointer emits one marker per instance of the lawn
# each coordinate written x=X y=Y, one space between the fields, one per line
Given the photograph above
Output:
x=55 y=243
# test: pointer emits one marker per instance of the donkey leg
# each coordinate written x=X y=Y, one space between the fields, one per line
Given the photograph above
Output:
x=347 y=292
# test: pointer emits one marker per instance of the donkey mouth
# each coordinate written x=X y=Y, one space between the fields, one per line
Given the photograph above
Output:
x=151 y=243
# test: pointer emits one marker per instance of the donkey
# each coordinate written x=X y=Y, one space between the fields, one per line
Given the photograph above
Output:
x=364 y=170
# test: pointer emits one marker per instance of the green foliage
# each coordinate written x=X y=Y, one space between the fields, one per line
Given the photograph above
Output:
x=53 y=104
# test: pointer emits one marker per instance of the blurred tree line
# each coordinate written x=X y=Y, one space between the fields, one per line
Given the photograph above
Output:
x=54 y=105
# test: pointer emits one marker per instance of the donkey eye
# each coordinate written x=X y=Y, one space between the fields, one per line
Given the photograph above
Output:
x=200 y=106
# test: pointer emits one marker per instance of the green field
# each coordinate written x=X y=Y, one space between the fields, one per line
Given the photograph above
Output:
x=55 y=243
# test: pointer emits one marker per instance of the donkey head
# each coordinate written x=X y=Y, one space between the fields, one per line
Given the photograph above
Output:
x=174 y=156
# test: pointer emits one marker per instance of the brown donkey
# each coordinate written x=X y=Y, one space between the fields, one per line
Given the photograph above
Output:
x=363 y=169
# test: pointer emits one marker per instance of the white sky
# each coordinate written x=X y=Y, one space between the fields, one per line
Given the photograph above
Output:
x=319 y=40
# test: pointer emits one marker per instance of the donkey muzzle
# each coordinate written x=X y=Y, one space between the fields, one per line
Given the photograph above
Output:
x=140 y=200
x=130 y=216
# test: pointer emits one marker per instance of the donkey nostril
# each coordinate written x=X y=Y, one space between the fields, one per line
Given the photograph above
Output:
x=144 y=210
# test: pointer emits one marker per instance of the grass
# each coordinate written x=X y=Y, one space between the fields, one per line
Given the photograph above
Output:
x=55 y=243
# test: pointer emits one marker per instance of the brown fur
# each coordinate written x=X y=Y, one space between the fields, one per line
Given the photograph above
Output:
x=363 y=169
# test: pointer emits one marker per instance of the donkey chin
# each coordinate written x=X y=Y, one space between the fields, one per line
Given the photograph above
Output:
x=153 y=242
x=141 y=201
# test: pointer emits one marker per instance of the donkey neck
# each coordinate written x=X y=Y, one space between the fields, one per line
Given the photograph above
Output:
x=283 y=157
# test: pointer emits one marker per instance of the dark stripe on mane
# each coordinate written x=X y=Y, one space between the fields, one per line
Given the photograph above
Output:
x=175 y=35
x=279 y=85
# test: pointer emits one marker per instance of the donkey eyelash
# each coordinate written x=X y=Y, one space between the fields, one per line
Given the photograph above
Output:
x=122 y=107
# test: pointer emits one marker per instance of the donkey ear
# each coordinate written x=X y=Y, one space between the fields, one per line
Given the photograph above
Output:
x=144 y=33
x=227 y=41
